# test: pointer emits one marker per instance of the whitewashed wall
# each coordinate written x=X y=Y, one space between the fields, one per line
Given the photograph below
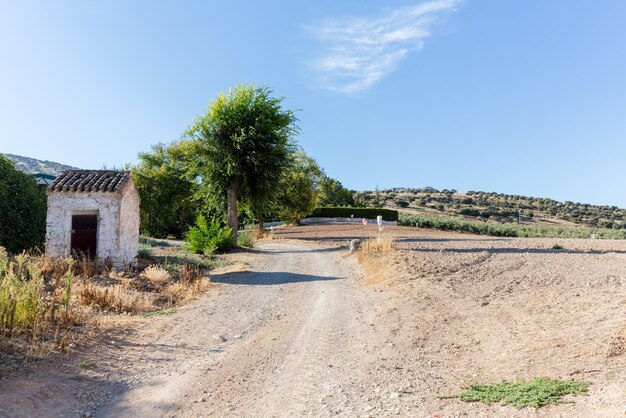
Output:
x=128 y=236
x=118 y=223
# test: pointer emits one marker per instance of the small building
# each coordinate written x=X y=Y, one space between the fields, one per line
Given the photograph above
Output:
x=96 y=213
x=44 y=180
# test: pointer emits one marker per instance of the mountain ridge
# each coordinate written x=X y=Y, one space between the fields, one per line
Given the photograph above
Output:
x=34 y=166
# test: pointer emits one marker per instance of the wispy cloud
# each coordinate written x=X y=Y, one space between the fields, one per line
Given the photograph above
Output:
x=359 y=51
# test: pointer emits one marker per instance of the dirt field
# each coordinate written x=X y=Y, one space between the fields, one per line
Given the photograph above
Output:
x=304 y=330
x=479 y=309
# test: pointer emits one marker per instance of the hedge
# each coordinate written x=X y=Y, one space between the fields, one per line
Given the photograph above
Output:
x=346 y=212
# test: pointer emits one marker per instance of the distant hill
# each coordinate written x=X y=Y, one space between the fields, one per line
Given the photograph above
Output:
x=495 y=207
x=33 y=166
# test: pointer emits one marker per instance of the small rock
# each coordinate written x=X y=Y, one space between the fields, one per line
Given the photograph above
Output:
x=219 y=338
x=368 y=408
x=71 y=345
x=394 y=395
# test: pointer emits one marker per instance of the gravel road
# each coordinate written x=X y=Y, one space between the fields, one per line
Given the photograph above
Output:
x=291 y=337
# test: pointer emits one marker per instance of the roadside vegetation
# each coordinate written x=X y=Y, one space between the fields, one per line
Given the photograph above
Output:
x=507 y=230
x=534 y=393
x=46 y=304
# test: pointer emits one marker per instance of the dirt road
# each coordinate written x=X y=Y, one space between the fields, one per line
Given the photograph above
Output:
x=292 y=337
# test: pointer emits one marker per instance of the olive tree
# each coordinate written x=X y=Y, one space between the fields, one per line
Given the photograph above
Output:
x=242 y=146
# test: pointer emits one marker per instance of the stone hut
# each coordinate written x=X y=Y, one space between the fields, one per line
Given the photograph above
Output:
x=94 y=212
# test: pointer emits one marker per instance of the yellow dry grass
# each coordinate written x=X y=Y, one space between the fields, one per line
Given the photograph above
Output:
x=157 y=274
x=374 y=256
x=45 y=303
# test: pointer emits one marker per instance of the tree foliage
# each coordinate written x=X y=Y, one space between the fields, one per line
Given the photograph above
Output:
x=241 y=148
x=22 y=209
x=332 y=193
x=167 y=205
x=299 y=188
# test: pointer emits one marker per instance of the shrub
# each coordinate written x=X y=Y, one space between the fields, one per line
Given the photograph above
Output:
x=22 y=209
x=205 y=238
x=245 y=239
x=343 y=212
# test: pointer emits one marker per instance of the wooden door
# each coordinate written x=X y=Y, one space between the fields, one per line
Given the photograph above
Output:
x=85 y=235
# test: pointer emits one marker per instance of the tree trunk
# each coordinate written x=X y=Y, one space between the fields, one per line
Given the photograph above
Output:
x=233 y=220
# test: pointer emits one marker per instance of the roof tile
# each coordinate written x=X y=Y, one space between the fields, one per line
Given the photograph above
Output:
x=89 y=181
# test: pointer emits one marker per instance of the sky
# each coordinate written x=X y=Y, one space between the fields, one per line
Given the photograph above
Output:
x=515 y=97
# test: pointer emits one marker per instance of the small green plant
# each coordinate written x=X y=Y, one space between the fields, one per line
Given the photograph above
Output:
x=535 y=393
x=86 y=364
x=205 y=238
x=557 y=247
x=245 y=239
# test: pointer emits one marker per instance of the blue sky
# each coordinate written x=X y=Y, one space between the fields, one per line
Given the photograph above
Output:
x=515 y=97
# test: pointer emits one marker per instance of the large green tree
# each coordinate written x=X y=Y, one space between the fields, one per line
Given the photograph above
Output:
x=299 y=188
x=242 y=147
x=167 y=205
x=22 y=209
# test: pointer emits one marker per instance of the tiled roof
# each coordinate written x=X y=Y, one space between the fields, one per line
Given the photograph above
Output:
x=86 y=181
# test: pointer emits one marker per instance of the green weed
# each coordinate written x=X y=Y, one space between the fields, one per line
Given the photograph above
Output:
x=86 y=364
x=540 y=391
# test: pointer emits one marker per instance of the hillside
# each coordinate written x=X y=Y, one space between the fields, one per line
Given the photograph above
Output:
x=496 y=207
x=33 y=165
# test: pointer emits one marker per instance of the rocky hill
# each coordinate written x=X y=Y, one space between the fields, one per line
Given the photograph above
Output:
x=33 y=166
x=499 y=207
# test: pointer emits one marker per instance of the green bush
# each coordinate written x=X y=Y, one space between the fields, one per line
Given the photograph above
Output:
x=205 y=238
x=245 y=239
x=22 y=209
x=344 y=212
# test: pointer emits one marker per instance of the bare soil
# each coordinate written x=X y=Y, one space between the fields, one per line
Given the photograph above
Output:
x=308 y=329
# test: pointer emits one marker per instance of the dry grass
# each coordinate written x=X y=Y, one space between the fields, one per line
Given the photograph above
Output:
x=157 y=274
x=46 y=303
x=118 y=299
x=180 y=293
x=260 y=233
x=382 y=244
x=375 y=255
